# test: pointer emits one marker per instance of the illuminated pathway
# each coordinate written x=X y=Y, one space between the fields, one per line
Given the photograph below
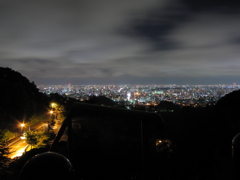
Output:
x=18 y=148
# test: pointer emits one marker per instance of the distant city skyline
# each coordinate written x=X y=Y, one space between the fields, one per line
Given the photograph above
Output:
x=145 y=95
x=122 y=42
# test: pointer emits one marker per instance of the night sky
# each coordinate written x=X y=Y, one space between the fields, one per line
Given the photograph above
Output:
x=122 y=41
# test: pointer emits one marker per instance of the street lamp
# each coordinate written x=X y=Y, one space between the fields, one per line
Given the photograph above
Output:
x=53 y=104
x=51 y=112
x=22 y=125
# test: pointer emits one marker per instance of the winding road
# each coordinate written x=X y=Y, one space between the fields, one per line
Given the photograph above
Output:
x=18 y=146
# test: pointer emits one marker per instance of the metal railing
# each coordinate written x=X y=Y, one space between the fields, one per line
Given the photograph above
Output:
x=151 y=126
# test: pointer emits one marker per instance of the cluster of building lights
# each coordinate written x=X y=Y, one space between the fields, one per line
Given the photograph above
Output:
x=145 y=94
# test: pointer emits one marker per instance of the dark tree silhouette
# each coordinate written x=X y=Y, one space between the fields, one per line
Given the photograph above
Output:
x=101 y=100
x=4 y=152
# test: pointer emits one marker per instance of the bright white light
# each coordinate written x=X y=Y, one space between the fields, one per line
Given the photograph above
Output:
x=128 y=96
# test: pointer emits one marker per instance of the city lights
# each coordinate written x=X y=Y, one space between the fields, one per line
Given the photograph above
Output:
x=146 y=95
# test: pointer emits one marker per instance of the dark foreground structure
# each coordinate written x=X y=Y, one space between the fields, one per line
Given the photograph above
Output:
x=98 y=142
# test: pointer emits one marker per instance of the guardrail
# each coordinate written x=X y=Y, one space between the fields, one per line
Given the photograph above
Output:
x=147 y=122
x=148 y=126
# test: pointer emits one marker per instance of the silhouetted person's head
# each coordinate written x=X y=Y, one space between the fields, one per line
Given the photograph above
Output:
x=47 y=165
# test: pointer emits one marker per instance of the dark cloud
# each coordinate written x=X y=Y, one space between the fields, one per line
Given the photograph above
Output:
x=158 y=24
x=235 y=40
x=222 y=5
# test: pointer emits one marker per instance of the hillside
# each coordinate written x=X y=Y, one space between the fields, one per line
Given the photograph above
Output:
x=19 y=98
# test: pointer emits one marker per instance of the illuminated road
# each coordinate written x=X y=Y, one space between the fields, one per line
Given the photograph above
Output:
x=18 y=148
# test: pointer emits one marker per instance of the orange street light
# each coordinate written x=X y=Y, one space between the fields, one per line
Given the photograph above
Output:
x=22 y=125
x=53 y=105
x=51 y=112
